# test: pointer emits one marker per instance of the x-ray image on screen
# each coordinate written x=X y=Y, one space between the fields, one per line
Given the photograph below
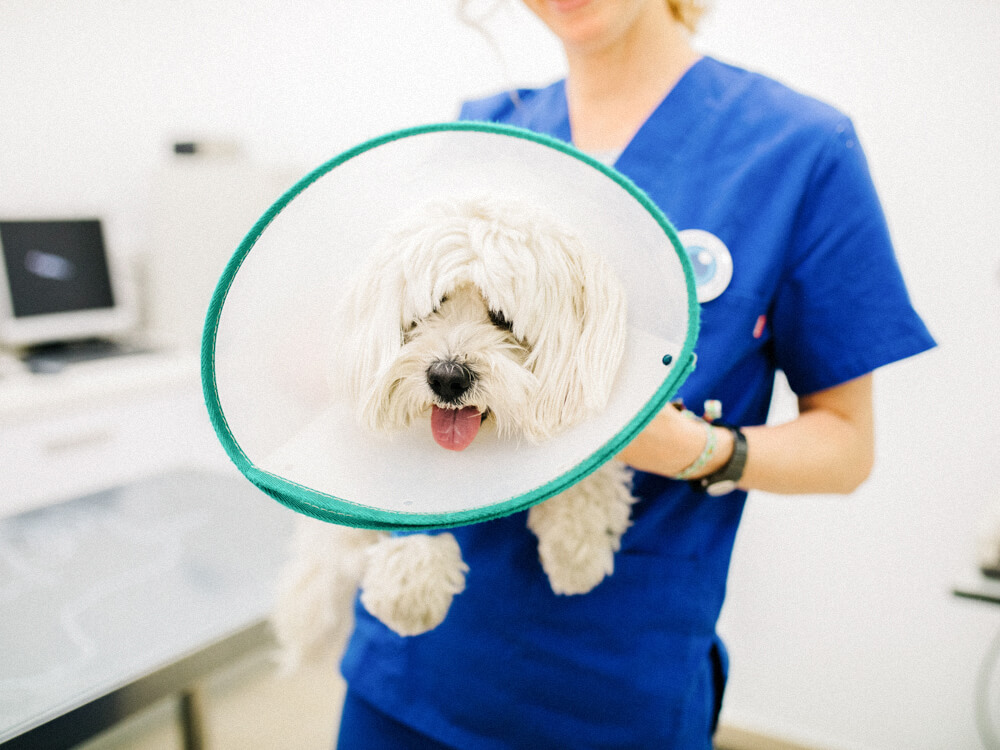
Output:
x=55 y=266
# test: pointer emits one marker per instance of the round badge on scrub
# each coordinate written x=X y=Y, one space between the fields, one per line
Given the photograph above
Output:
x=710 y=260
x=444 y=325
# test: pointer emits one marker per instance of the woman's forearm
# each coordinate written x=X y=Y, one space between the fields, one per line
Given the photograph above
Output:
x=828 y=448
x=820 y=451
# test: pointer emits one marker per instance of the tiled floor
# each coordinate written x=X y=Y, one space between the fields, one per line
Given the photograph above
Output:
x=248 y=707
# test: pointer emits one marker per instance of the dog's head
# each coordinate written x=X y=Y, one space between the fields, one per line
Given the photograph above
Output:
x=481 y=312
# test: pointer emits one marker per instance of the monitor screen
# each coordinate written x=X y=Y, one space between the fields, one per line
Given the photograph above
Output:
x=55 y=266
x=58 y=284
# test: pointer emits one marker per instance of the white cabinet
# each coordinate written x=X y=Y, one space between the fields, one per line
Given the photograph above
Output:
x=98 y=425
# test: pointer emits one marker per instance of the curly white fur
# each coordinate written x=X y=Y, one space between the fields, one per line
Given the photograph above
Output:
x=532 y=327
x=316 y=592
x=410 y=581
x=580 y=529
x=564 y=304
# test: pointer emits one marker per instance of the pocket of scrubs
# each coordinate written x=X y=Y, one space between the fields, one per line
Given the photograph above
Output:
x=731 y=326
x=738 y=312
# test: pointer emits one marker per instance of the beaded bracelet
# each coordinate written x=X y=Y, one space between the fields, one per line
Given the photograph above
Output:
x=704 y=457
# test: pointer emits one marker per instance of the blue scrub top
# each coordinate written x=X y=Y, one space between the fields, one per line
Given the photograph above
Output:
x=781 y=180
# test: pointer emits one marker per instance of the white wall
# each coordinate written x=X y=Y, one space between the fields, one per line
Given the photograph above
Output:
x=840 y=621
x=92 y=93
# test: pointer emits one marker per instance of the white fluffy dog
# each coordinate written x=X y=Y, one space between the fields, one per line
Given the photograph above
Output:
x=473 y=315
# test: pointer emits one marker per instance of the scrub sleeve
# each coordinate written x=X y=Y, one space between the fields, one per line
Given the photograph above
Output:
x=780 y=181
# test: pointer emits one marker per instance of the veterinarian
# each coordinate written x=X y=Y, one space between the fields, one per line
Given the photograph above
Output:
x=773 y=192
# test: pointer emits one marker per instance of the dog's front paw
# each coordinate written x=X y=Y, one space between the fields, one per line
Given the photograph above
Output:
x=576 y=565
x=580 y=530
x=410 y=581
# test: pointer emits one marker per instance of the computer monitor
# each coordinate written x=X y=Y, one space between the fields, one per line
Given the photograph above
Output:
x=58 y=285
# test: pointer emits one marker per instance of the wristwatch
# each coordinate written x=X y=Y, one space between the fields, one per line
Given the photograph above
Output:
x=724 y=480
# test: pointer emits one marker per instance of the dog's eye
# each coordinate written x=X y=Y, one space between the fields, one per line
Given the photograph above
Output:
x=497 y=318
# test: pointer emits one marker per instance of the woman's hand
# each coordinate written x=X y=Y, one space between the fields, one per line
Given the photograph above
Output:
x=828 y=448
x=673 y=441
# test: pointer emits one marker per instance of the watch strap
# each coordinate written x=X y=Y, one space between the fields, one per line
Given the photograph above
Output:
x=724 y=479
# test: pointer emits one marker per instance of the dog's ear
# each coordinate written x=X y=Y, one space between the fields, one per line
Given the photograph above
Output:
x=368 y=332
x=412 y=267
x=580 y=338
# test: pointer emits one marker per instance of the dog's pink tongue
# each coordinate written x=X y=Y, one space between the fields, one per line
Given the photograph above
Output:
x=454 y=429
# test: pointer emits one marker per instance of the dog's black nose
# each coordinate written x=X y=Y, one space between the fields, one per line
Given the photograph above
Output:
x=449 y=379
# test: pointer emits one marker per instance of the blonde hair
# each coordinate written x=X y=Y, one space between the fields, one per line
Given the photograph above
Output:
x=688 y=12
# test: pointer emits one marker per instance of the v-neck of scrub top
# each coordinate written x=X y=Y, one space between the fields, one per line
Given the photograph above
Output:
x=689 y=106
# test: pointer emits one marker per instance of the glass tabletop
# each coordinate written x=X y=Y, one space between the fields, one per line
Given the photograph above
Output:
x=104 y=589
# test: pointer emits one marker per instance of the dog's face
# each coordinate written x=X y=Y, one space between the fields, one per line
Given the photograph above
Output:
x=481 y=314
x=464 y=364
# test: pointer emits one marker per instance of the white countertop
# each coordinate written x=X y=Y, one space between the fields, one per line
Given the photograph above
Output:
x=25 y=395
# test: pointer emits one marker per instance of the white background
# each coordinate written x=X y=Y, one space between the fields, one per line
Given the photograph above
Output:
x=841 y=624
